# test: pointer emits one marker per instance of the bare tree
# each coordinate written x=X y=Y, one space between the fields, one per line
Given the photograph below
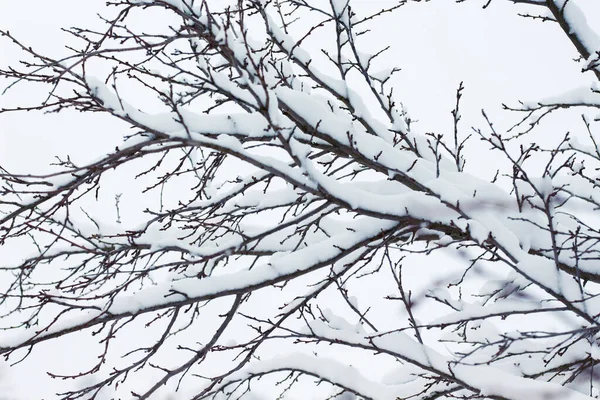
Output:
x=282 y=203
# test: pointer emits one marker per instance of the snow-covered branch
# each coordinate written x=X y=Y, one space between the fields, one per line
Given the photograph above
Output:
x=279 y=197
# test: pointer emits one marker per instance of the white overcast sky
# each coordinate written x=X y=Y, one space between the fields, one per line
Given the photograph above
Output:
x=499 y=56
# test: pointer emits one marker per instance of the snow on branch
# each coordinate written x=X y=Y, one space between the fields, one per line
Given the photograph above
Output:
x=282 y=222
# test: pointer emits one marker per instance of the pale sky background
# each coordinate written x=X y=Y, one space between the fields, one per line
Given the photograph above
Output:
x=499 y=56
